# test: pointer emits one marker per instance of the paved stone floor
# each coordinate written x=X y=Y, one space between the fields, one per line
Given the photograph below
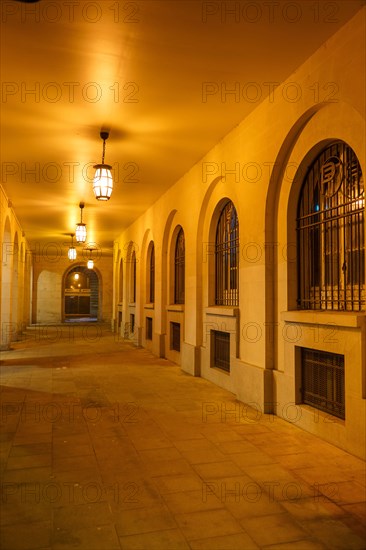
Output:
x=105 y=447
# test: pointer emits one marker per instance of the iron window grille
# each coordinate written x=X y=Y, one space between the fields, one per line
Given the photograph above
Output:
x=133 y=277
x=322 y=376
x=227 y=258
x=120 y=295
x=331 y=233
x=179 y=268
x=220 y=345
x=152 y=275
x=149 y=327
x=175 y=336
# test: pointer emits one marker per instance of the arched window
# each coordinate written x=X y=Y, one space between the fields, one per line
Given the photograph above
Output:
x=227 y=258
x=120 y=286
x=331 y=232
x=179 y=268
x=133 y=277
x=152 y=274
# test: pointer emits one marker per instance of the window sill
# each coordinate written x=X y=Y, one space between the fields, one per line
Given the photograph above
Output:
x=149 y=306
x=224 y=311
x=175 y=307
x=334 y=318
x=320 y=416
x=221 y=371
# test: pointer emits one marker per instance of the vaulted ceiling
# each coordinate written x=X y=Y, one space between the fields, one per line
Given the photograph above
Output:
x=153 y=72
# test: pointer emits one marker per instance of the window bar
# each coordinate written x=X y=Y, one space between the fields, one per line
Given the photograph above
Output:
x=339 y=264
x=352 y=255
x=227 y=257
x=179 y=269
x=134 y=277
x=323 y=381
x=361 y=228
x=221 y=350
x=338 y=261
x=152 y=276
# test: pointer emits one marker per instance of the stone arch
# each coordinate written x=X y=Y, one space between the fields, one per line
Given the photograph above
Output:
x=164 y=269
x=311 y=132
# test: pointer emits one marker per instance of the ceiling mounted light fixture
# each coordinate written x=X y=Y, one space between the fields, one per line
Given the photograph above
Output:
x=72 y=250
x=103 y=181
x=80 y=231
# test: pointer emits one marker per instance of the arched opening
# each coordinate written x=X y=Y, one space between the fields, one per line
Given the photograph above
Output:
x=81 y=295
x=227 y=257
x=6 y=285
x=165 y=285
x=175 y=307
x=150 y=274
x=132 y=295
x=119 y=293
x=178 y=271
x=15 y=288
x=120 y=282
x=130 y=329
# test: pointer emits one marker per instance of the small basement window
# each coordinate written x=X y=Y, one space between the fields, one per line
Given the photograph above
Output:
x=175 y=336
x=322 y=381
x=220 y=345
x=149 y=325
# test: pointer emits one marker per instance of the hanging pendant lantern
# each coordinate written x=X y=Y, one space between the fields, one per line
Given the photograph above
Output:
x=71 y=253
x=90 y=263
x=80 y=231
x=103 y=181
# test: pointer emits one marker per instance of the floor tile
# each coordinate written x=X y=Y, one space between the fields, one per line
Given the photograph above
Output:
x=279 y=528
x=171 y=539
x=240 y=541
x=358 y=509
x=191 y=501
x=177 y=483
x=26 y=536
x=74 y=517
x=31 y=449
x=334 y=534
x=307 y=544
x=312 y=508
x=102 y=537
x=207 y=524
x=144 y=520
x=217 y=470
x=29 y=461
